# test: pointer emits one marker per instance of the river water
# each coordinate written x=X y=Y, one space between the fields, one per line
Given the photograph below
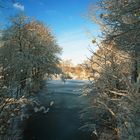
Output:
x=62 y=122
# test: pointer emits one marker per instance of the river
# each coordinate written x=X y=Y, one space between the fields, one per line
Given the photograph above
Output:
x=62 y=122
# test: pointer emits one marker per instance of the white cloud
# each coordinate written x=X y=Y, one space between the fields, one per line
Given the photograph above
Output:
x=18 y=6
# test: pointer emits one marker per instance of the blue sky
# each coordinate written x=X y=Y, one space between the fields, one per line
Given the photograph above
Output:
x=67 y=19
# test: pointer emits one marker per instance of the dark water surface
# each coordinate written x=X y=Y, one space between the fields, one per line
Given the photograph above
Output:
x=63 y=121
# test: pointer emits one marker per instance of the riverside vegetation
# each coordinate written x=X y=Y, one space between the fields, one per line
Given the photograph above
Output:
x=29 y=52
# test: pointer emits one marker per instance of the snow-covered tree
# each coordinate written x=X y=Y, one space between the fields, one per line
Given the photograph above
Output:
x=122 y=21
x=28 y=51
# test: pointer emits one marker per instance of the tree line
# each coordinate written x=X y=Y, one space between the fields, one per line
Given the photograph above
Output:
x=28 y=52
x=115 y=68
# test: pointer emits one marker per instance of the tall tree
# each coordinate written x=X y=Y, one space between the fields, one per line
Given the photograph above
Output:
x=122 y=20
x=29 y=52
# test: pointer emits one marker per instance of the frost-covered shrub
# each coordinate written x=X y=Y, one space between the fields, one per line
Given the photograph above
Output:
x=12 y=111
x=114 y=100
x=129 y=115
